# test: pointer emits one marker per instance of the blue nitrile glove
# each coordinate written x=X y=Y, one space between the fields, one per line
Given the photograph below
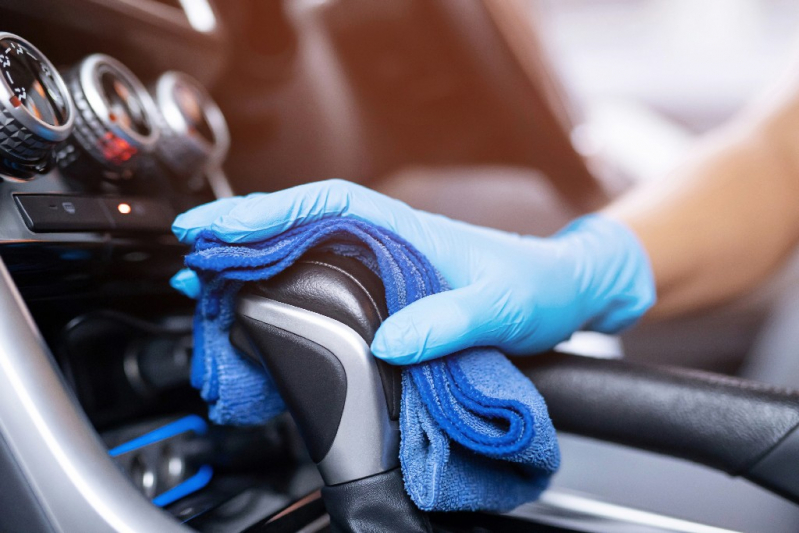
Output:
x=522 y=294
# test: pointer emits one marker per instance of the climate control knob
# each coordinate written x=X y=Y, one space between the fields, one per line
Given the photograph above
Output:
x=36 y=110
x=115 y=121
x=194 y=134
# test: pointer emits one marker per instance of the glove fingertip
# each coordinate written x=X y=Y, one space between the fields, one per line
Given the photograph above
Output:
x=186 y=282
x=393 y=346
x=188 y=225
x=183 y=234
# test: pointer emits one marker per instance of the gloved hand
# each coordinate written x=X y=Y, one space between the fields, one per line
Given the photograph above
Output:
x=521 y=294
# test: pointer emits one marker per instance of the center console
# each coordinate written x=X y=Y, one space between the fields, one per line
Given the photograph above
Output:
x=99 y=428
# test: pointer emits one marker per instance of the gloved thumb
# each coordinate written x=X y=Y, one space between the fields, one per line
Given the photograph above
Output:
x=434 y=326
x=186 y=282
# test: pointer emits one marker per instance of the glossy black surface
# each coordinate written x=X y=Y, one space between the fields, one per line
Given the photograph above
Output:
x=48 y=212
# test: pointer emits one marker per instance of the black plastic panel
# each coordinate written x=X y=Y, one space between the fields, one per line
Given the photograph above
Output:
x=343 y=289
x=310 y=379
x=139 y=214
x=49 y=212
x=70 y=213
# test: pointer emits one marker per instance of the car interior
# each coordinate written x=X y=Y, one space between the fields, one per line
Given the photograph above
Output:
x=117 y=115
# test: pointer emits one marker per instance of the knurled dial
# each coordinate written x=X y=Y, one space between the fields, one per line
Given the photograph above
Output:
x=194 y=133
x=115 y=121
x=36 y=111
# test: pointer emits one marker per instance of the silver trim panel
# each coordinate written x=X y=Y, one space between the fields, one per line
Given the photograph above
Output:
x=218 y=182
x=68 y=468
x=367 y=441
x=582 y=513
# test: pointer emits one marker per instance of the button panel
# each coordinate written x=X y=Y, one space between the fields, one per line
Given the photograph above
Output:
x=139 y=214
x=47 y=212
x=60 y=213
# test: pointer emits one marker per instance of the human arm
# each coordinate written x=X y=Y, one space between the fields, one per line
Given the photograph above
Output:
x=729 y=216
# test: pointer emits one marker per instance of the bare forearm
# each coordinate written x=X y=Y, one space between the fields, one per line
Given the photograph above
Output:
x=723 y=221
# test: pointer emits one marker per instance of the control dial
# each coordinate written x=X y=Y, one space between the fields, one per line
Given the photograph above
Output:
x=115 y=120
x=195 y=135
x=36 y=111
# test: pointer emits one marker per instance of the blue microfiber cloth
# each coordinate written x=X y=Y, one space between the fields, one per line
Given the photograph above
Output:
x=475 y=433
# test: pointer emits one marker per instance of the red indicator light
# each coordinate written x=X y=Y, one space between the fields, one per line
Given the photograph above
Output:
x=124 y=208
x=114 y=149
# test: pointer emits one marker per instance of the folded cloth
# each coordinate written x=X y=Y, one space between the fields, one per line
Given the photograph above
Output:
x=475 y=433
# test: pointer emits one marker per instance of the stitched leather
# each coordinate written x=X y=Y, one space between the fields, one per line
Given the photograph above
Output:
x=334 y=286
x=722 y=422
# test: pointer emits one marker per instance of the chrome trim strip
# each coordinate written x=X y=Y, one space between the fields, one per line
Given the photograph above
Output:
x=582 y=513
x=68 y=468
x=367 y=441
x=218 y=182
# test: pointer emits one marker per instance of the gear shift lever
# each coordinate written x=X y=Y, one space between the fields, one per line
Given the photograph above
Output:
x=311 y=326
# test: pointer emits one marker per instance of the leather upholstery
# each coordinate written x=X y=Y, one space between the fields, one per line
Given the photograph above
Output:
x=337 y=287
x=375 y=504
x=727 y=423
x=345 y=290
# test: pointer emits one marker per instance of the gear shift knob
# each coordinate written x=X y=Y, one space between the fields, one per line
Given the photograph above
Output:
x=311 y=327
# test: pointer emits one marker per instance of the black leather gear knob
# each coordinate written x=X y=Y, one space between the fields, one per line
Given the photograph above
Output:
x=310 y=326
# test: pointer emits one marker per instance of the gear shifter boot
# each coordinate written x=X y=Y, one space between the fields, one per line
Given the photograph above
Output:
x=371 y=505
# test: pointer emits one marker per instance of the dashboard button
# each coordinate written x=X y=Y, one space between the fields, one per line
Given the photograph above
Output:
x=139 y=214
x=52 y=212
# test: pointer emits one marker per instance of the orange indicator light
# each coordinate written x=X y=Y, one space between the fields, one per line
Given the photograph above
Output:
x=124 y=208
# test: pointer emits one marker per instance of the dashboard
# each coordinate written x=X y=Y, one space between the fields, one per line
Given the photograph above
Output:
x=108 y=130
